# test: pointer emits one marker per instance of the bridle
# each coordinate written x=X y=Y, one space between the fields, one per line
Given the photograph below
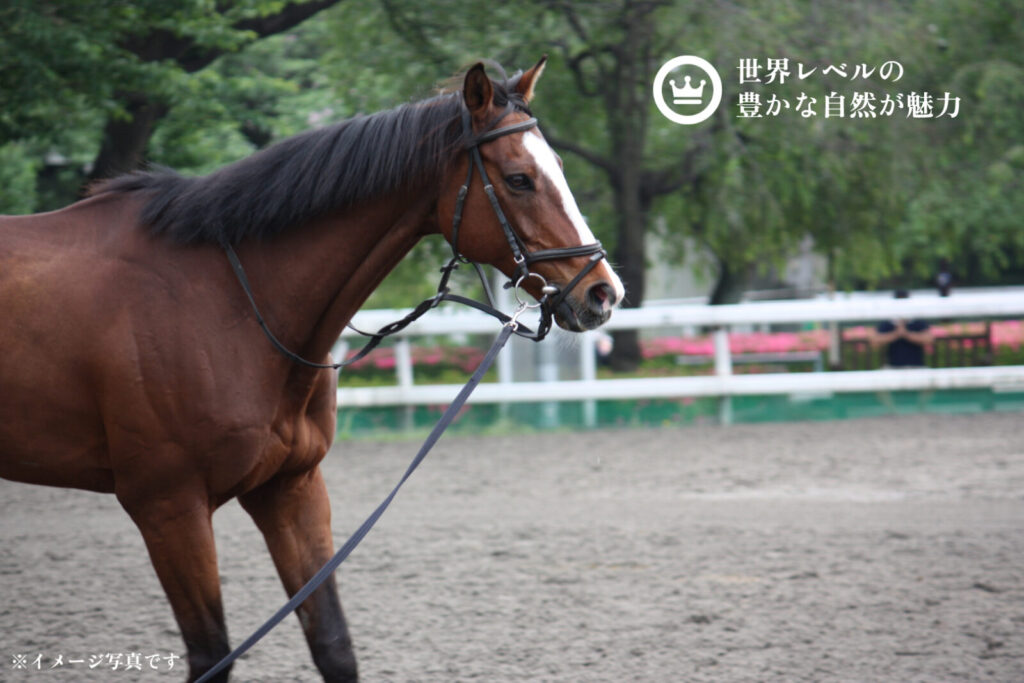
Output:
x=521 y=256
x=552 y=297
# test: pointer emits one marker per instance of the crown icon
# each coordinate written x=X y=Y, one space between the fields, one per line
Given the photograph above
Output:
x=687 y=94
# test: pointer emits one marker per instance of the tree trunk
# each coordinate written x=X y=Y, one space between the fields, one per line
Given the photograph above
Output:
x=630 y=261
x=125 y=141
x=731 y=284
x=626 y=99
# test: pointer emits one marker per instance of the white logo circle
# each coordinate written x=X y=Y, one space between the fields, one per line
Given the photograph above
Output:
x=659 y=94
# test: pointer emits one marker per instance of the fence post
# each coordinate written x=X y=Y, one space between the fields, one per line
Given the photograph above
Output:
x=547 y=371
x=588 y=373
x=723 y=356
x=723 y=368
x=403 y=368
x=506 y=359
x=835 y=340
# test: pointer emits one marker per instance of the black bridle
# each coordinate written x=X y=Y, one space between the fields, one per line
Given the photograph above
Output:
x=552 y=296
x=521 y=256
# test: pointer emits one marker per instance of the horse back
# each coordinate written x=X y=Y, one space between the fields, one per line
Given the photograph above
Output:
x=119 y=348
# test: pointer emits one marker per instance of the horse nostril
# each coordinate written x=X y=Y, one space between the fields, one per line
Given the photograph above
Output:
x=600 y=298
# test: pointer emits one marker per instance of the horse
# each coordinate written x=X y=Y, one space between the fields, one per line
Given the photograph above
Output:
x=133 y=362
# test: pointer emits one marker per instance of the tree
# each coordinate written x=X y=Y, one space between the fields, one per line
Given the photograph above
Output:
x=746 y=190
x=228 y=28
x=882 y=199
x=703 y=180
x=611 y=51
x=125 y=63
x=969 y=194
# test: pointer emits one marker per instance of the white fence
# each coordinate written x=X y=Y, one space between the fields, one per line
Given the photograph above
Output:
x=723 y=383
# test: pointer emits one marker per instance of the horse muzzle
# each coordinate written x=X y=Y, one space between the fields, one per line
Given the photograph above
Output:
x=586 y=312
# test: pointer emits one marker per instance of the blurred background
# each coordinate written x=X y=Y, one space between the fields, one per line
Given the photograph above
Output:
x=793 y=205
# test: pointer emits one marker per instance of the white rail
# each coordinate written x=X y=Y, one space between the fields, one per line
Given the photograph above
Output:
x=723 y=383
x=453 y=320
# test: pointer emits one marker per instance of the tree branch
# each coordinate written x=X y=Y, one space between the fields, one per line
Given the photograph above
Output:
x=412 y=31
x=660 y=181
x=657 y=182
x=582 y=152
x=575 y=66
x=162 y=44
x=124 y=142
x=291 y=15
x=566 y=8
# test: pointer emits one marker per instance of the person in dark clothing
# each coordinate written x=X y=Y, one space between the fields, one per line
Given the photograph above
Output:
x=906 y=339
x=944 y=278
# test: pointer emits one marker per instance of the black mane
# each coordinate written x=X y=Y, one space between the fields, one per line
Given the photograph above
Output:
x=306 y=176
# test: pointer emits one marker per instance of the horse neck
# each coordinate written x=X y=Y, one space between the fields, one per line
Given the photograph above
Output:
x=317 y=277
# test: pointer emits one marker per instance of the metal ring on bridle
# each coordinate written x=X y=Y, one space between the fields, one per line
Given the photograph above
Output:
x=519 y=284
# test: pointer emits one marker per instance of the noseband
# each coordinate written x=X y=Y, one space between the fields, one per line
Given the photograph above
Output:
x=552 y=297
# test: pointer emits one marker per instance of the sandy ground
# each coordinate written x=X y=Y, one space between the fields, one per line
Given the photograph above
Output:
x=872 y=550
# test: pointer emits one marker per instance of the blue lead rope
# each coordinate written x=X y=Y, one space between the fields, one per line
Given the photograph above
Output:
x=354 y=540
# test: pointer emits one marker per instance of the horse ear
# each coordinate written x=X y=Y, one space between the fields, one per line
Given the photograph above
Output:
x=529 y=79
x=477 y=89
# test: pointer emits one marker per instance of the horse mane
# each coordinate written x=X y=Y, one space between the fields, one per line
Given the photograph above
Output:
x=309 y=175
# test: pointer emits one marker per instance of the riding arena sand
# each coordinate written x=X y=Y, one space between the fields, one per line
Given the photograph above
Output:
x=883 y=549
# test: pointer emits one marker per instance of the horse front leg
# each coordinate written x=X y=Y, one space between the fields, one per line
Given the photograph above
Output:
x=179 y=536
x=294 y=514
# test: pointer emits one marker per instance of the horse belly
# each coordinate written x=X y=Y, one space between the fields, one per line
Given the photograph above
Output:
x=50 y=428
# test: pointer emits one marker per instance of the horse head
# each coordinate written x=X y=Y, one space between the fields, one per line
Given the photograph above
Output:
x=520 y=216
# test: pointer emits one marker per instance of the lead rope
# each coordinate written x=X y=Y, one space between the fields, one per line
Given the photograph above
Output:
x=510 y=326
x=507 y=330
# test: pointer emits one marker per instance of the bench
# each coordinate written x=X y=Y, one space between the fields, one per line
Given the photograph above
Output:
x=947 y=351
x=814 y=357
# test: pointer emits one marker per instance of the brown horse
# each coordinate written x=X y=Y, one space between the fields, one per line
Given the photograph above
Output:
x=132 y=359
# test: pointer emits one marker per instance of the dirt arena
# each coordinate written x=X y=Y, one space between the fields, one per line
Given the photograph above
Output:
x=871 y=550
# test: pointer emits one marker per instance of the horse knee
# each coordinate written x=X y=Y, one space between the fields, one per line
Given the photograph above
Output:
x=336 y=662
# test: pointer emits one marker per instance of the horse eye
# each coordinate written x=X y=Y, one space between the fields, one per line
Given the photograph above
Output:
x=519 y=181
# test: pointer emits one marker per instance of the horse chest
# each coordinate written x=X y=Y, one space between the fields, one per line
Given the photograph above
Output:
x=298 y=441
x=305 y=445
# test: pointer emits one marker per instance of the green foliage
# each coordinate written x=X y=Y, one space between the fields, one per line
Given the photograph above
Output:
x=969 y=196
x=886 y=198
x=66 y=65
x=64 y=59
x=53 y=62
x=17 y=179
x=883 y=199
